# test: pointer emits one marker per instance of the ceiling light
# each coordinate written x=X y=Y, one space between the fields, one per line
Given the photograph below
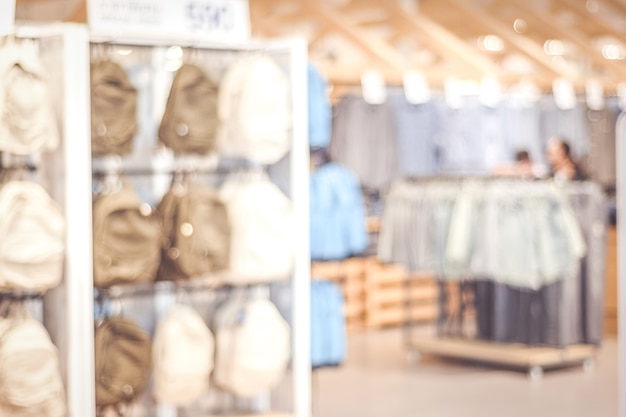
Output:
x=613 y=52
x=554 y=47
x=520 y=26
x=491 y=43
x=593 y=6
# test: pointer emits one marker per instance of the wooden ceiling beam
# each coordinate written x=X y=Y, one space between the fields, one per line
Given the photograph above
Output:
x=263 y=21
x=582 y=43
x=444 y=41
x=321 y=33
x=521 y=43
x=595 y=18
x=616 y=5
x=79 y=15
x=375 y=48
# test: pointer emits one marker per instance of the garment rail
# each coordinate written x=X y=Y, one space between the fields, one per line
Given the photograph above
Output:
x=520 y=266
x=190 y=286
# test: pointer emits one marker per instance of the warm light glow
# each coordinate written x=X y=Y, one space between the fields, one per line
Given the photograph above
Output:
x=173 y=58
x=554 y=47
x=593 y=6
x=491 y=43
x=520 y=25
x=174 y=52
x=613 y=52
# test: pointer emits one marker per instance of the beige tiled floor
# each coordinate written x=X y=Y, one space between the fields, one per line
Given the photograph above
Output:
x=378 y=381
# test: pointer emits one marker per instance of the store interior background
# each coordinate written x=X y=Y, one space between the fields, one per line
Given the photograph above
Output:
x=509 y=40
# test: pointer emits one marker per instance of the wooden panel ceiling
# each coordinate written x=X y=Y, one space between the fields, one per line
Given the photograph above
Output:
x=507 y=39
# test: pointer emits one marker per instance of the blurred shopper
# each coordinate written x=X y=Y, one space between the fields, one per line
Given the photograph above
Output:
x=522 y=167
x=562 y=165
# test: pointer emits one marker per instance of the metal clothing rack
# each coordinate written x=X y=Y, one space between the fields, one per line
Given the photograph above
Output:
x=455 y=338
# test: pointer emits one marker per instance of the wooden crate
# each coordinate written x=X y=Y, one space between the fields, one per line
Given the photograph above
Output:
x=349 y=275
x=388 y=289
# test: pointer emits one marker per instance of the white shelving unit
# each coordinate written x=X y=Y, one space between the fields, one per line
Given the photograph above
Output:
x=66 y=174
x=290 y=174
x=68 y=311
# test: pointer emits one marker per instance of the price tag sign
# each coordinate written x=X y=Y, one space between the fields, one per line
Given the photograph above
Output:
x=213 y=20
x=7 y=16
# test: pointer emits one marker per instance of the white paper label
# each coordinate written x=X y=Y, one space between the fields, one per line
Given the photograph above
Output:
x=452 y=92
x=373 y=86
x=595 y=95
x=218 y=20
x=564 y=94
x=490 y=92
x=416 y=89
x=7 y=16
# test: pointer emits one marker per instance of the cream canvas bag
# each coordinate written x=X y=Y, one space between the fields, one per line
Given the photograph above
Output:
x=261 y=219
x=32 y=248
x=30 y=378
x=27 y=120
x=254 y=110
x=253 y=347
x=182 y=353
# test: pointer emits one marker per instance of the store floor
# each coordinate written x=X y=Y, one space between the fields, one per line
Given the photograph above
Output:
x=378 y=381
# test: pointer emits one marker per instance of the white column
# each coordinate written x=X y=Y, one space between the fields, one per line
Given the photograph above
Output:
x=79 y=270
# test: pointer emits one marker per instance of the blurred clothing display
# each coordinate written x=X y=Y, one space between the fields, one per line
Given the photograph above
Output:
x=337 y=213
x=364 y=141
x=382 y=142
x=532 y=250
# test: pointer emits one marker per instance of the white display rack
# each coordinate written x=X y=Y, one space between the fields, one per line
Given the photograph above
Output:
x=66 y=174
x=293 y=177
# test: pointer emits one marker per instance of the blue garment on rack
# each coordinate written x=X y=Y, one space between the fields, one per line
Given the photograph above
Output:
x=338 y=227
x=320 y=111
x=328 y=324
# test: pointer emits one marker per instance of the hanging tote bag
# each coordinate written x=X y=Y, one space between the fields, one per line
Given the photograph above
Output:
x=253 y=347
x=262 y=229
x=27 y=119
x=189 y=123
x=254 y=111
x=113 y=109
x=123 y=361
x=197 y=232
x=30 y=375
x=183 y=351
x=32 y=248
x=126 y=239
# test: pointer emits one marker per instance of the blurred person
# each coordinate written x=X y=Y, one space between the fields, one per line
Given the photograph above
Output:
x=563 y=166
x=522 y=167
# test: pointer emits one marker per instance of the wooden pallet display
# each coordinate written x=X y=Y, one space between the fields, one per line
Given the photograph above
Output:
x=532 y=358
x=387 y=290
x=349 y=275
